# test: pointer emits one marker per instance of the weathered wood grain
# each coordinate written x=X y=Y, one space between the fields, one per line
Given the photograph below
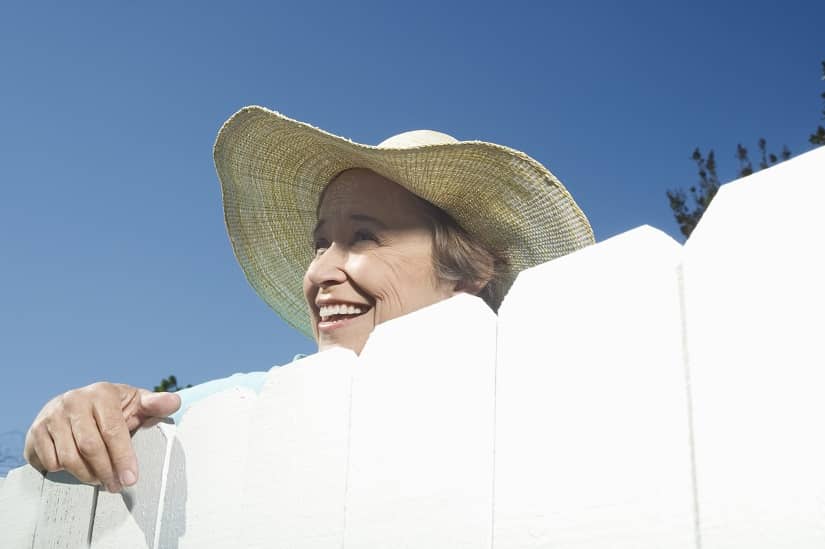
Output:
x=128 y=520
x=20 y=506
x=67 y=508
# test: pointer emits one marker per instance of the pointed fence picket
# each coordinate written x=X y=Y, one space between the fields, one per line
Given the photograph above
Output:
x=753 y=283
x=592 y=432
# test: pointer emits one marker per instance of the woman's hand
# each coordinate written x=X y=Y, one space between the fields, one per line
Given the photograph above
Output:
x=86 y=432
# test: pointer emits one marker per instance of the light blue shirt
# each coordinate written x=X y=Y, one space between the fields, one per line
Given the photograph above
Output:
x=251 y=380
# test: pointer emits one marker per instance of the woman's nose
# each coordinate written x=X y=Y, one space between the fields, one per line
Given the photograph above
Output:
x=328 y=268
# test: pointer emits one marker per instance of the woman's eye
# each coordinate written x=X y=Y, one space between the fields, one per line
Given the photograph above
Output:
x=364 y=235
x=320 y=246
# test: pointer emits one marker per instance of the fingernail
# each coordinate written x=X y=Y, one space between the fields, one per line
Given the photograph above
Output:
x=127 y=478
x=113 y=487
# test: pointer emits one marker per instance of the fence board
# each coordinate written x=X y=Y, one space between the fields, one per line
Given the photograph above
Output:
x=592 y=428
x=65 y=519
x=208 y=456
x=19 y=506
x=296 y=472
x=128 y=519
x=754 y=277
x=420 y=469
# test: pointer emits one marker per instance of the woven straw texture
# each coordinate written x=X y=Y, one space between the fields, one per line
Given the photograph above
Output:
x=272 y=170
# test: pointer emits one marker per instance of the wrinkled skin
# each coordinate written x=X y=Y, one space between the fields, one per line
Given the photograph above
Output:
x=86 y=432
x=373 y=253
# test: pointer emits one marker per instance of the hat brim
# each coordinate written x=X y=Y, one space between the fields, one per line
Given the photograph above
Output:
x=273 y=170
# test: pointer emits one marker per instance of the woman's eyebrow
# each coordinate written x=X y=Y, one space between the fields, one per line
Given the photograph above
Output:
x=355 y=217
x=368 y=219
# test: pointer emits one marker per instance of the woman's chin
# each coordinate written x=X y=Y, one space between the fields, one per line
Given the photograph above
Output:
x=354 y=346
x=353 y=340
x=351 y=333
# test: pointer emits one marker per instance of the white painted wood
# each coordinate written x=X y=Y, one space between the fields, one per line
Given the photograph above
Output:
x=67 y=508
x=128 y=519
x=754 y=272
x=592 y=424
x=20 y=506
x=208 y=457
x=172 y=525
x=421 y=460
x=296 y=472
x=601 y=357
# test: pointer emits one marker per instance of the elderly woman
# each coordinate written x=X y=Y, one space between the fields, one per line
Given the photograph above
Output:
x=337 y=237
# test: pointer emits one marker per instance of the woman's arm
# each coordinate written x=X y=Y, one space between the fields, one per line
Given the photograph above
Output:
x=86 y=432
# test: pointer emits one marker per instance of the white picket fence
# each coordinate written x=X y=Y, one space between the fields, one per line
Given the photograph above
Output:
x=636 y=394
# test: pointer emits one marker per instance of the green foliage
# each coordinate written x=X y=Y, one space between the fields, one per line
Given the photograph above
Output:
x=688 y=211
x=688 y=207
x=766 y=159
x=169 y=384
x=818 y=137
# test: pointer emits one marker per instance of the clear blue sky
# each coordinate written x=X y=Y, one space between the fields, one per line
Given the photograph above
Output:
x=114 y=262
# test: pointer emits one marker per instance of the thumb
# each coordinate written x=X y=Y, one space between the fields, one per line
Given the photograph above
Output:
x=159 y=404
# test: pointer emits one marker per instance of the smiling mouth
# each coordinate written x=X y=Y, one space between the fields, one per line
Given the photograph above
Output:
x=333 y=316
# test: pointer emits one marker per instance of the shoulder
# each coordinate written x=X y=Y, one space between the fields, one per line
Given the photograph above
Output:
x=248 y=380
x=191 y=395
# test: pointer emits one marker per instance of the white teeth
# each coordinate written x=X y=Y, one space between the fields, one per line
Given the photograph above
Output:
x=326 y=311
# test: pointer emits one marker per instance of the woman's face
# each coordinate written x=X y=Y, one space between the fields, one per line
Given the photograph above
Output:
x=373 y=259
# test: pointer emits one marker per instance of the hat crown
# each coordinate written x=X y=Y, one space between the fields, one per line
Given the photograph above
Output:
x=416 y=138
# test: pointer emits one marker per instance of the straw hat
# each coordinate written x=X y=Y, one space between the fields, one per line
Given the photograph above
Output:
x=272 y=171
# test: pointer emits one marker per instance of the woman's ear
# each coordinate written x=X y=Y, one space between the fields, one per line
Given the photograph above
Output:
x=479 y=276
x=472 y=287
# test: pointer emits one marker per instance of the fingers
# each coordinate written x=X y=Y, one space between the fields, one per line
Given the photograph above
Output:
x=141 y=406
x=66 y=436
x=39 y=449
x=54 y=447
x=115 y=424
x=159 y=404
x=68 y=456
x=115 y=437
x=93 y=452
x=87 y=432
